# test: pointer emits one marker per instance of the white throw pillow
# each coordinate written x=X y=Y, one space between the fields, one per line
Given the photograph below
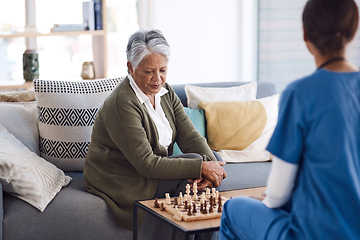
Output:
x=27 y=176
x=220 y=115
x=196 y=94
x=67 y=111
x=20 y=119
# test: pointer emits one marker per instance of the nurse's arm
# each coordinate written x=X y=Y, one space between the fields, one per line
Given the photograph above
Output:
x=280 y=183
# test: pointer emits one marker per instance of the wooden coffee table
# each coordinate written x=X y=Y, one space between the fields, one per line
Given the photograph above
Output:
x=188 y=228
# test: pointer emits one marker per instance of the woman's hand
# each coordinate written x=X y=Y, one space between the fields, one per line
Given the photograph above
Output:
x=213 y=171
x=202 y=183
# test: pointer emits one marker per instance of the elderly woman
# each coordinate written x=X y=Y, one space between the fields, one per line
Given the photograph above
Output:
x=313 y=190
x=134 y=134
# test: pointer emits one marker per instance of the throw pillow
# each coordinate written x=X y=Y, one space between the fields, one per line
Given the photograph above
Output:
x=240 y=131
x=19 y=96
x=21 y=119
x=27 y=176
x=197 y=117
x=196 y=94
x=66 y=115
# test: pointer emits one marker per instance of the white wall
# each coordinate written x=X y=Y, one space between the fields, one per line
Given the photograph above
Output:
x=204 y=36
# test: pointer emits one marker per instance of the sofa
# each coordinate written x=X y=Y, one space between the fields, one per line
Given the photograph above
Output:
x=76 y=214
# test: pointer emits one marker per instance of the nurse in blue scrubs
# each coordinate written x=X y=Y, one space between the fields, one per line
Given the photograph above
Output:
x=313 y=190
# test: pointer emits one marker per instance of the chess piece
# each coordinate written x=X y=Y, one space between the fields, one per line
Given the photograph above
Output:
x=195 y=190
x=181 y=199
x=187 y=189
x=219 y=200
x=211 y=209
x=189 y=211
x=219 y=208
x=178 y=214
x=168 y=199
x=162 y=208
x=213 y=193
x=175 y=202
x=207 y=192
x=194 y=208
x=156 y=203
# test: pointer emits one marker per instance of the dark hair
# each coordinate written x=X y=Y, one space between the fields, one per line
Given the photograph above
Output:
x=330 y=24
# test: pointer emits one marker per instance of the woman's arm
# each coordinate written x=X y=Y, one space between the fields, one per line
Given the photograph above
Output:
x=280 y=183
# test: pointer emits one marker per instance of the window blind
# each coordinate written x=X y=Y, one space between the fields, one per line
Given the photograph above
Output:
x=283 y=56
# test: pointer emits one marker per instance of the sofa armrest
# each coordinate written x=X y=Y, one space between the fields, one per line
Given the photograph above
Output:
x=1 y=211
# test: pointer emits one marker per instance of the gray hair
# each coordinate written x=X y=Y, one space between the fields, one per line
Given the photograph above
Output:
x=146 y=42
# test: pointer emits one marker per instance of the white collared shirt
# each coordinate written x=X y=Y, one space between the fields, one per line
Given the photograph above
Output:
x=157 y=114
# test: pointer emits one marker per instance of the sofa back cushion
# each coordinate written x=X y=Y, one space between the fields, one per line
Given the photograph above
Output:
x=66 y=114
x=196 y=94
x=19 y=117
x=264 y=89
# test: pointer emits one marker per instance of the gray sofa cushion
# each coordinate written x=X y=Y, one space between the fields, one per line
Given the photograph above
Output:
x=245 y=175
x=73 y=214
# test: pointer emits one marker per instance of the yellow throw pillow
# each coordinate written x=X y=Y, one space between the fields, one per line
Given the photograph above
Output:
x=233 y=125
x=240 y=131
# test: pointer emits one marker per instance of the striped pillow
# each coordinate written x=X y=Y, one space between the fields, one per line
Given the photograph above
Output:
x=66 y=115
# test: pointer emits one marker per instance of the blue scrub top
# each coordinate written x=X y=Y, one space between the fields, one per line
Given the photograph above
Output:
x=319 y=129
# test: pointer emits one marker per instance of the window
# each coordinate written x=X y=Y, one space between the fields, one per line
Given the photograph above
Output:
x=283 y=56
x=61 y=57
x=211 y=40
x=122 y=22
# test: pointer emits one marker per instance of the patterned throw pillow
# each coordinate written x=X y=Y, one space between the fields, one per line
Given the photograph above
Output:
x=66 y=114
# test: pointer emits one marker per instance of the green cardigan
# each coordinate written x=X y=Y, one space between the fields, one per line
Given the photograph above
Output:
x=125 y=159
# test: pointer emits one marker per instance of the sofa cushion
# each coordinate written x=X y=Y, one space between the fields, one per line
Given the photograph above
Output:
x=26 y=175
x=67 y=111
x=20 y=96
x=197 y=117
x=240 y=131
x=21 y=117
x=73 y=214
x=245 y=175
x=196 y=94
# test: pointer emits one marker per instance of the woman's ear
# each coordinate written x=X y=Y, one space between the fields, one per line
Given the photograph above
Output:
x=304 y=35
x=130 y=68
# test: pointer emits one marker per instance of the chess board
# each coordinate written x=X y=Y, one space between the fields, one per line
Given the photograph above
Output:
x=193 y=207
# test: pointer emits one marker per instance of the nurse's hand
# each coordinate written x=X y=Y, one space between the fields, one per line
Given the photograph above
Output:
x=258 y=197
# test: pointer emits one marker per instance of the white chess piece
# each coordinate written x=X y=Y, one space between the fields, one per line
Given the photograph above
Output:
x=185 y=198
x=195 y=191
x=207 y=192
x=181 y=199
x=178 y=214
x=167 y=198
x=188 y=190
x=213 y=192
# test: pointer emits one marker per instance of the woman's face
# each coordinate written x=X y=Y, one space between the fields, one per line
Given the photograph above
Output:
x=150 y=75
